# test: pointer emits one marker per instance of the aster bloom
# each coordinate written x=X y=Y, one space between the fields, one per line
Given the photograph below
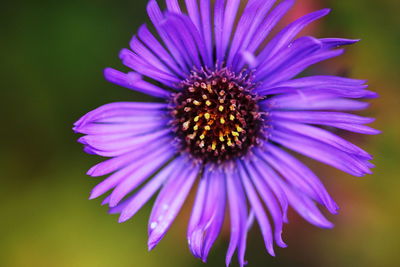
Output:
x=230 y=110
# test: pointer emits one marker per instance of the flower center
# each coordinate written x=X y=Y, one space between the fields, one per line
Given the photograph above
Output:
x=216 y=116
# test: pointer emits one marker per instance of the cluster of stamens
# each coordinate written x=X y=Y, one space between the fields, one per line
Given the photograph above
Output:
x=215 y=116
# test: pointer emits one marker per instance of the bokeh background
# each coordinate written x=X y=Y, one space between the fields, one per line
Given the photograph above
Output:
x=52 y=57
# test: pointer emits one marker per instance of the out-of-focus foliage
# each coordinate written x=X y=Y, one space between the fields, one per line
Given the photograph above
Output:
x=53 y=53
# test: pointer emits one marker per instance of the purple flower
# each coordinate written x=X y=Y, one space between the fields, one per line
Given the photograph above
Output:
x=229 y=108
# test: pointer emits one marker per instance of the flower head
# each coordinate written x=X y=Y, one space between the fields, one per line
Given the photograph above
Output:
x=229 y=108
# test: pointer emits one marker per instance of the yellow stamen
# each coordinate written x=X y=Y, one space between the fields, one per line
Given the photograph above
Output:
x=207 y=128
x=207 y=116
x=222 y=121
x=197 y=103
x=229 y=143
x=231 y=117
x=208 y=103
x=214 y=145
x=235 y=133
x=221 y=108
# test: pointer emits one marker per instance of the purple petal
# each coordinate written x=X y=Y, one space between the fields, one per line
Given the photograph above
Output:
x=208 y=213
x=305 y=207
x=269 y=23
x=306 y=100
x=271 y=179
x=205 y=8
x=173 y=6
x=300 y=66
x=238 y=219
x=116 y=163
x=270 y=201
x=322 y=81
x=139 y=65
x=324 y=137
x=243 y=26
x=193 y=11
x=250 y=31
x=147 y=55
x=330 y=43
x=301 y=177
x=146 y=166
x=324 y=153
x=140 y=126
x=193 y=36
x=130 y=169
x=157 y=17
x=218 y=27
x=182 y=39
x=168 y=204
x=122 y=109
x=231 y=11
x=288 y=33
x=298 y=50
x=134 y=81
x=129 y=207
x=124 y=143
x=152 y=43
x=317 y=117
x=259 y=211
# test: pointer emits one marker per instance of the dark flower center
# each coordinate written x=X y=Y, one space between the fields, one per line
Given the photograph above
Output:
x=216 y=116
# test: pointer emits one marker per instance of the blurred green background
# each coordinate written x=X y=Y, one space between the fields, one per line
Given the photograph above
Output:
x=53 y=54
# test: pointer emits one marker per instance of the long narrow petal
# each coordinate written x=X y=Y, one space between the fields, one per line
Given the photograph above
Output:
x=298 y=50
x=129 y=207
x=119 y=176
x=157 y=17
x=319 y=117
x=276 y=211
x=116 y=163
x=208 y=213
x=133 y=81
x=205 y=8
x=248 y=33
x=324 y=136
x=300 y=66
x=243 y=24
x=231 y=12
x=302 y=177
x=283 y=38
x=238 y=219
x=324 y=153
x=139 y=65
x=306 y=100
x=271 y=180
x=305 y=207
x=259 y=211
x=193 y=11
x=152 y=43
x=146 y=167
x=169 y=203
x=265 y=28
x=173 y=6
